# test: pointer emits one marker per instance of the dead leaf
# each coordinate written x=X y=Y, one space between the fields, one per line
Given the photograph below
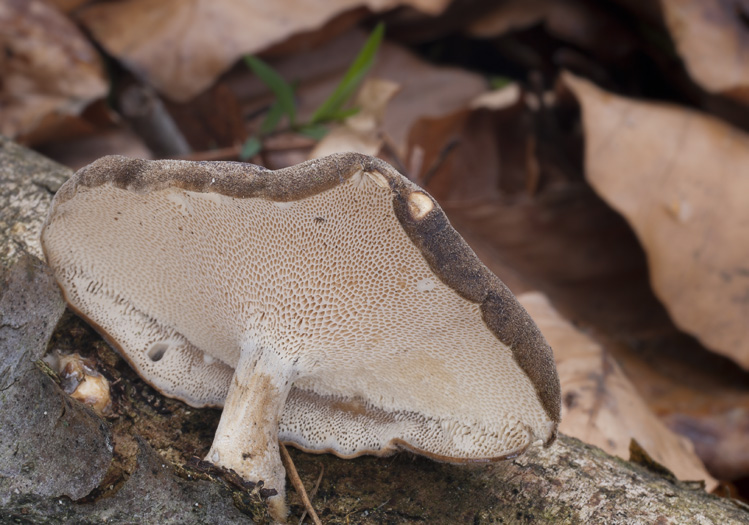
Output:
x=79 y=152
x=181 y=47
x=579 y=22
x=679 y=177
x=211 y=120
x=48 y=69
x=426 y=90
x=696 y=394
x=712 y=37
x=720 y=439
x=360 y=132
x=564 y=240
x=599 y=404
x=513 y=187
x=68 y=6
x=459 y=156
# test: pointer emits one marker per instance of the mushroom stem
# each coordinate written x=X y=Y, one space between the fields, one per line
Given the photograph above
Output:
x=246 y=440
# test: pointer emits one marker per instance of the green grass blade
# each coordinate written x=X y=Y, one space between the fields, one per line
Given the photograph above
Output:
x=282 y=89
x=342 y=114
x=353 y=77
x=250 y=148
x=314 y=131
x=498 y=82
x=272 y=118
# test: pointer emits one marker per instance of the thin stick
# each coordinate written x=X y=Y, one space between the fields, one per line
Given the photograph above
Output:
x=151 y=121
x=277 y=142
x=313 y=492
x=297 y=482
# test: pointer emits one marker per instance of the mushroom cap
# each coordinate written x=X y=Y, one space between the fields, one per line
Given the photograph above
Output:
x=398 y=334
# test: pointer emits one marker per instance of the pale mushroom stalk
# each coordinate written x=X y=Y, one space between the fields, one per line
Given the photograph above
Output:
x=246 y=439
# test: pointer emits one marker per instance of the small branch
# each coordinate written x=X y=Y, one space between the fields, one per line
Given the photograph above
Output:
x=283 y=141
x=313 y=492
x=297 y=482
x=151 y=121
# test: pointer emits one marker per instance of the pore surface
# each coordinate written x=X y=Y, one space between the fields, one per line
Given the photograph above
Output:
x=330 y=280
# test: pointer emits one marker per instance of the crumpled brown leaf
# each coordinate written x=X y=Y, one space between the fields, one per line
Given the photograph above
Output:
x=68 y=6
x=679 y=178
x=48 y=69
x=426 y=90
x=582 y=23
x=360 y=132
x=180 y=47
x=696 y=394
x=513 y=188
x=458 y=155
x=712 y=37
x=562 y=239
x=599 y=404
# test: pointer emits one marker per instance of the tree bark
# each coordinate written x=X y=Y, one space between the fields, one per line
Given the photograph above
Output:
x=131 y=467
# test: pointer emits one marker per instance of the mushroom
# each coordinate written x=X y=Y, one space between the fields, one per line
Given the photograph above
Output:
x=330 y=306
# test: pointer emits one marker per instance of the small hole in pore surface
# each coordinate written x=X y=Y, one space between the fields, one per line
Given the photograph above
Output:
x=157 y=351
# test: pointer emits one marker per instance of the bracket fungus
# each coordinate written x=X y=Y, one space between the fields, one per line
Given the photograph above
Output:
x=330 y=306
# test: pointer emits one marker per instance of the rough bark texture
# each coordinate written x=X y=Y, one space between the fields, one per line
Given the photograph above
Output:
x=39 y=424
x=69 y=465
x=28 y=181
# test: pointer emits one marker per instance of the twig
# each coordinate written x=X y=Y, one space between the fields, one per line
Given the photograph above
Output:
x=151 y=121
x=276 y=142
x=313 y=492
x=297 y=482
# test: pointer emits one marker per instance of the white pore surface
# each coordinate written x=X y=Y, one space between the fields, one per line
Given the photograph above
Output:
x=383 y=350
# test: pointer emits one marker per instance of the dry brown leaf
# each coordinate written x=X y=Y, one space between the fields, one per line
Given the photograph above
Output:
x=515 y=15
x=582 y=23
x=361 y=132
x=442 y=150
x=181 y=46
x=680 y=179
x=600 y=405
x=696 y=394
x=502 y=189
x=426 y=90
x=69 y=6
x=720 y=439
x=79 y=152
x=564 y=240
x=712 y=37
x=211 y=120
x=48 y=68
